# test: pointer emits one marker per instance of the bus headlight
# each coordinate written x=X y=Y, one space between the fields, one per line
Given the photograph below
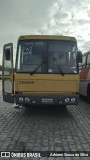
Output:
x=21 y=99
x=73 y=99
x=27 y=99
x=67 y=100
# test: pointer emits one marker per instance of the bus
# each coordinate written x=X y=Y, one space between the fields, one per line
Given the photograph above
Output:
x=85 y=75
x=46 y=71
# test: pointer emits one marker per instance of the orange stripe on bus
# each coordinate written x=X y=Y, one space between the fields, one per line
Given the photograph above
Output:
x=84 y=73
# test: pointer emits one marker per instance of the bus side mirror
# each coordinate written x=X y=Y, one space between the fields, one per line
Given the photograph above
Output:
x=79 y=56
x=7 y=54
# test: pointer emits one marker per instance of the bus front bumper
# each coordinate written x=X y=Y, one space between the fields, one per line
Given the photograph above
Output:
x=56 y=100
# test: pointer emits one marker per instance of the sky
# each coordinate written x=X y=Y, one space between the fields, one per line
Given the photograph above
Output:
x=58 y=17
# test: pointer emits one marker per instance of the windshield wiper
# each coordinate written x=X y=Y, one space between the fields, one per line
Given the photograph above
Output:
x=59 y=66
x=37 y=67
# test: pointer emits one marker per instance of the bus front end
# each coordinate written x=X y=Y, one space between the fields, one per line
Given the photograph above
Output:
x=46 y=70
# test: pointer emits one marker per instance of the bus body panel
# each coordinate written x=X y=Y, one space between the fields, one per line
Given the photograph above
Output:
x=45 y=37
x=47 y=89
x=83 y=87
x=85 y=75
x=47 y=83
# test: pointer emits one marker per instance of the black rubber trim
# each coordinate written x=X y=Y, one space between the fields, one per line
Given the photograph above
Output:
x=39 y=98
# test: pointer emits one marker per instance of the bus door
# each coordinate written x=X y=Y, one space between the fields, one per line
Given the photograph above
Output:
x=8 y=74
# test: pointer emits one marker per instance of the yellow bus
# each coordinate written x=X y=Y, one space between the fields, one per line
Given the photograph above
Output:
x=46 y=71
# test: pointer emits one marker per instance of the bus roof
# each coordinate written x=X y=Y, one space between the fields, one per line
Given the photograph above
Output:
x=47 y=37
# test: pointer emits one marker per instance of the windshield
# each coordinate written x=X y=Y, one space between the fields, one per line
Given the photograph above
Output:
x=32 y=53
